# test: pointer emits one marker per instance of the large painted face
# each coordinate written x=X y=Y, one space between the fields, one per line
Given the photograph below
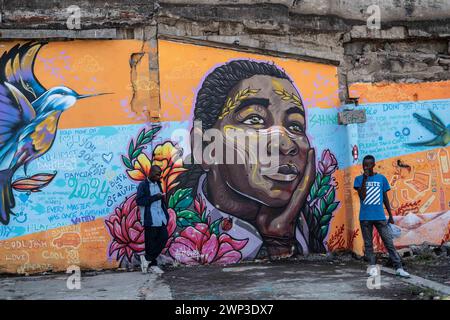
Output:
x=269 y=109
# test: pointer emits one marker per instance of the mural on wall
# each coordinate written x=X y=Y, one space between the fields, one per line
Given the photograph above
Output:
x=74 y=175
x=216 y=215
x=69 y=175
x=200 y=233
x=30 y=115
x=411 y=150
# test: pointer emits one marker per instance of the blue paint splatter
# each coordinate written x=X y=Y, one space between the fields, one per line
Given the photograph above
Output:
x=40 y=209
x=60 y=183
x=24 y=197
x=106 y=131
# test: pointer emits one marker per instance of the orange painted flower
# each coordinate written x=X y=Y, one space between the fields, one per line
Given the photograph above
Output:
x=141 y=169
x=168 y=157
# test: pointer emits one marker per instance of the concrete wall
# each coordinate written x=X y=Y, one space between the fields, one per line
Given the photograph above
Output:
x=72 y=204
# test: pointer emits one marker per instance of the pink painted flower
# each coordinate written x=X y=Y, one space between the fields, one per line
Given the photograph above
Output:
x=172 y=223
x=197 y=245
x=126 y=230
x=328 y=162
x=199 y=205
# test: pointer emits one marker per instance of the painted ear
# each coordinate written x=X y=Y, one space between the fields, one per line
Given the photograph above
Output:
x=197 y=147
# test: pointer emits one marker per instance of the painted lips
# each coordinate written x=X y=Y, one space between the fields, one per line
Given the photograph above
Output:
x=285 y=173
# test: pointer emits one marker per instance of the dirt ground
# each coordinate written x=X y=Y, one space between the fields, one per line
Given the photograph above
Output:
x=432 y=268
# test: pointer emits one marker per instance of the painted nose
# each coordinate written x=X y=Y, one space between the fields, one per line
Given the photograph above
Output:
x=285 y=145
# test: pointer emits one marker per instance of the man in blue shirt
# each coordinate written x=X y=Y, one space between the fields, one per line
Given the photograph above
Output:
x=154 y=217
x=372 y=190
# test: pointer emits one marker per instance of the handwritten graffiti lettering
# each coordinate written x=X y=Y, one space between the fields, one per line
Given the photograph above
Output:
x=83 y=219
x=91 y=190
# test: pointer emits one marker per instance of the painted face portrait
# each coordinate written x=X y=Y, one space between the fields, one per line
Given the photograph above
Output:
x=271 y=113
x=245 y=96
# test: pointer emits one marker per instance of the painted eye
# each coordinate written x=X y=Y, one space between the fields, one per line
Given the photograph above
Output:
x=254 y=120
x=296 y=128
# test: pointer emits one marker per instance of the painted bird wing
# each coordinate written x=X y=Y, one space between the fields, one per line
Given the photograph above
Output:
x=17 y=68
x=435 y=127
x=16 y=112
x=18 y=88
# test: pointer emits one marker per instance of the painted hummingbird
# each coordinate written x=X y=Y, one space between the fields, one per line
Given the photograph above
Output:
x=29 y=116
x=435 y=126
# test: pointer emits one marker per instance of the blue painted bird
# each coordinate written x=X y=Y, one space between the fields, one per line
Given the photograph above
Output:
x=29 y=116
x=435 y=126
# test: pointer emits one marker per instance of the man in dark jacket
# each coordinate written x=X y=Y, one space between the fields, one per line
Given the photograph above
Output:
x=154 y=217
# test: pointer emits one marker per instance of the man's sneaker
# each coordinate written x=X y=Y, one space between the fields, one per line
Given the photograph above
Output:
x=144 y=264
x=402 y=273
x=156 y=270
x=372 y=271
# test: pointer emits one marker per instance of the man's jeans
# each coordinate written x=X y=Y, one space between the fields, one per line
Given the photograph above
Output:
x=385 y=233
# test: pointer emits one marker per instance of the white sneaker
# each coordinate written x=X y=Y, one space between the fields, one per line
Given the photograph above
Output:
x=156 y=270
x=402 y=273
x=144 y=264
x=373 y=271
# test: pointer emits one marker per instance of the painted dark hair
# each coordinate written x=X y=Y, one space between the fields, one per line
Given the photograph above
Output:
x=212 y=96
x=217 y=85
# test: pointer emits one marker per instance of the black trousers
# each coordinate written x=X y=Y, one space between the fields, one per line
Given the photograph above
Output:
x=155 y=241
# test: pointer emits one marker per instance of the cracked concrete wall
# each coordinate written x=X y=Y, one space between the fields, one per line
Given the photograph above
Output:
x=412 y=46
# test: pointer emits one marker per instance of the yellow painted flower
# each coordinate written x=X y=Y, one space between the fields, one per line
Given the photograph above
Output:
x=141 y=166
x=168 y=157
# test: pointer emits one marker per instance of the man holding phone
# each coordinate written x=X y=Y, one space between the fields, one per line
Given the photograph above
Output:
x=372 y=189
x=154 y=217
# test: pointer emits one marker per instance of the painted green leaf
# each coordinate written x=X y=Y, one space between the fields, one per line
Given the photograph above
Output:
x=318 y=177
x=325 y=180
x=330 y=196
x=322 y=206
x=183 y=223
x=325 y=219
x=146 y=140
x=152 y=132
x=189 y=215
x=312 y=192
x=140 y=137
x=214 y=227
x=323 y=232
x=127 y=162
x=205 y=216
x=332 y=207
x=136 y=152
x=322 y=191
x=131 y=149
x=181 y=199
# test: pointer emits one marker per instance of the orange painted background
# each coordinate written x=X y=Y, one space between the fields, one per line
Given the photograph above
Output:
x=183 y=66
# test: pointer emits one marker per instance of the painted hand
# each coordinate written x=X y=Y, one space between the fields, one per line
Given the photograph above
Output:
x=278 y=228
